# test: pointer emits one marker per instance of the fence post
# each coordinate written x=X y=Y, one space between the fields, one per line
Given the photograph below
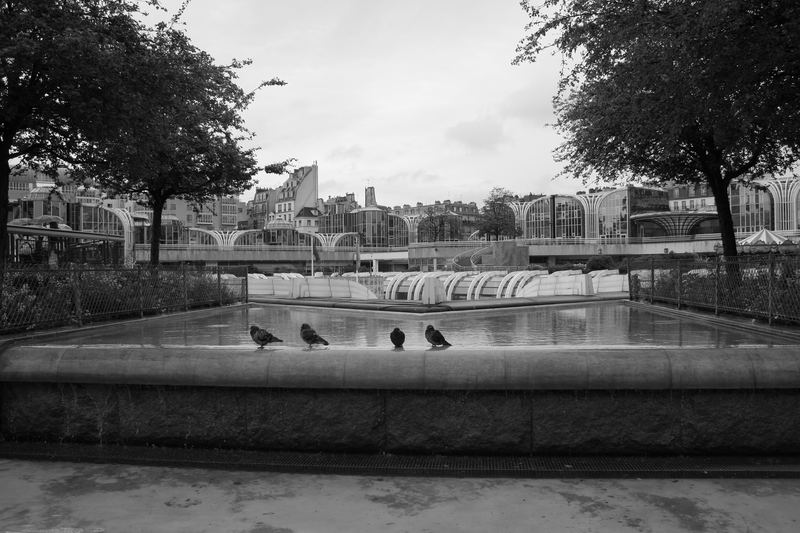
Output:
x=679 y=281
x=76 y=294
x=219 y=286
x=246 y=285
x=652 y=278
x=139 y=287
x=630 y=280
x=716 y=287
x=770 y=299
x=185 y=289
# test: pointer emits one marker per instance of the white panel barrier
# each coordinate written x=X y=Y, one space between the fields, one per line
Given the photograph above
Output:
x=557 y=286
x=311 y=287
x=611 y=283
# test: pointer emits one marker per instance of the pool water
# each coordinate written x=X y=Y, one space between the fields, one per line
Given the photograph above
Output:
x=599 y=325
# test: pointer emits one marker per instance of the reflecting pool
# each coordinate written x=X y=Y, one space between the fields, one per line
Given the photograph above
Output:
x=601 y=324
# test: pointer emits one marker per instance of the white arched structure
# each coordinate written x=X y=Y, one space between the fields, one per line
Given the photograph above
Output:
x=126 y=219
x=479 y=281
x=225 y=239
x=390 y=293
x=418 y=284
x=520 y=210
x=236 y=235
x=515 y=281
x=453 y=280
x=786 y=196
x=214 y=235
x=591 y=205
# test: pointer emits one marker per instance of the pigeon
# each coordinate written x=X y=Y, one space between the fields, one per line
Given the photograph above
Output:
x=398 y=337
x=435 y=337
x=310 y=336
x=262 y=336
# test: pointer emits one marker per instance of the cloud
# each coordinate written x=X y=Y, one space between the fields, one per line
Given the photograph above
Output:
x=347 y=152
x=530 y=104
x=483 y=134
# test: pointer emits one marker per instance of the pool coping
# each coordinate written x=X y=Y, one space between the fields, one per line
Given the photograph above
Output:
x=411 y=306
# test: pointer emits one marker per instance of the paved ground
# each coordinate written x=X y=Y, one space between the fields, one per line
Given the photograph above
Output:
x=66 y=497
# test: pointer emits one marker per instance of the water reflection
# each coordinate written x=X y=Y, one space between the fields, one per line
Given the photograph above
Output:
x=609 y=324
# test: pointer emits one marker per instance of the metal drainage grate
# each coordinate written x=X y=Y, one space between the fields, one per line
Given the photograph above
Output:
x=418 y=465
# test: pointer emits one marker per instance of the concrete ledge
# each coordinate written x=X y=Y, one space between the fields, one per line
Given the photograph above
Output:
x=508 y=401
x=546 y=368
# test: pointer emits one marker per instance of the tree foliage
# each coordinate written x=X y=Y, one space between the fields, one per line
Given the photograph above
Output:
x=437 y=224
x=496 y=218
x=183 y=136
x=62 y=68
x=674 y=90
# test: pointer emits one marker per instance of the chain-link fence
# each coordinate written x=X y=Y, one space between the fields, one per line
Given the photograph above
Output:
x=762 y=286
x=38 y=299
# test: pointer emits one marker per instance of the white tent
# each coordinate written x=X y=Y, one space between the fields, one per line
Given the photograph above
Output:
x=764 y=236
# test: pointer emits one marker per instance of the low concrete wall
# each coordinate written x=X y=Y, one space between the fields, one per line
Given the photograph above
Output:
x=508 y=401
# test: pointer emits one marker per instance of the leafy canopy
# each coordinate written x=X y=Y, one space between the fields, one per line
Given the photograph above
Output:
x=496 y=218
x=62 y=68
x=674 y=90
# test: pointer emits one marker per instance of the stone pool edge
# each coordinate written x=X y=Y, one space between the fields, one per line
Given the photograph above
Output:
x=454 y=401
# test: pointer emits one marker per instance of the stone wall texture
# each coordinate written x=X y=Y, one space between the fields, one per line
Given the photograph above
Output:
x=406 y=421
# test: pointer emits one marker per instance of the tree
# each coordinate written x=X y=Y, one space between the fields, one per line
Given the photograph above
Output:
x=437 y=224
x=496 y=218
x=62 y=72
x=674 y=90
x=184 y=131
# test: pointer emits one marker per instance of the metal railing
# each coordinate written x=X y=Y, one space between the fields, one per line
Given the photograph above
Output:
x=763 y=286
x=33 y=299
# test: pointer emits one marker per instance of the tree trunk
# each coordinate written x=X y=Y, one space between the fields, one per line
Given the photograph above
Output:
x=727 y=229
x=155 y=232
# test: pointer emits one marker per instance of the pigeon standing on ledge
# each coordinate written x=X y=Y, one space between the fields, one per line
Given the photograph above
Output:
x=435 y=337
x=397 y=337
x=310 y=336
x=262 y=336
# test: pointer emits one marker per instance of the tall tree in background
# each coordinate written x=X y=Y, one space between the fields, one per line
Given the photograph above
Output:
x=184 y=137
x=688 y=91
x=496 y=218
x=62 y=72
x=438 y=224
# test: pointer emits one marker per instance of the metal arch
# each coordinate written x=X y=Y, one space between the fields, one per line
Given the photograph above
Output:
x=520 y=280
x=520 y=210
x=242 y=232
x=416 y=283
x=472 y=284
x=213 y=234
x=391 y=289
x=455 y=279
x=126 y=220
x=480 y=281
x=785 y=193
x=503 y=282
x=339 y=236
x=420 y=285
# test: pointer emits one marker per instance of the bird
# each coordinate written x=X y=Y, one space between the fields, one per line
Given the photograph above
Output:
x=261 y=336
x=398 y=337
x=435 y=337
x=310 y=336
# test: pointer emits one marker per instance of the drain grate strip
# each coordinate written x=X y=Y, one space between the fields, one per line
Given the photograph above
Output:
x=417 y=465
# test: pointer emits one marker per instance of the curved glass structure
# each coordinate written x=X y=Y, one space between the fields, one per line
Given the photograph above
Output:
x=751 y=208
x=568 y=217
x=612 y=215
x=538 y=222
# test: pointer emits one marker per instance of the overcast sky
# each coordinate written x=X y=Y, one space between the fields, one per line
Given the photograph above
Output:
x=416 y=98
